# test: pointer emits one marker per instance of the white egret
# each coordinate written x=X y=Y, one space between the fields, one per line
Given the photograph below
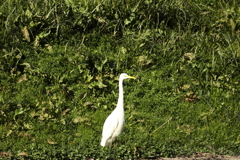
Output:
x=113 y=126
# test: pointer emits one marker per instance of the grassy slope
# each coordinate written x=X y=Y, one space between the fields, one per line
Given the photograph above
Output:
x=59 y=68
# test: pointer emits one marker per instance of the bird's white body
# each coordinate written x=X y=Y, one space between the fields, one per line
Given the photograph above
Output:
x=113 y=126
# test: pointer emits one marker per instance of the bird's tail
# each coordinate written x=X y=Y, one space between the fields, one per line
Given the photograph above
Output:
x=105 y=142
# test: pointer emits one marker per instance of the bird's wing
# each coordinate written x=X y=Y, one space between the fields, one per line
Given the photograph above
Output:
x=109 y=126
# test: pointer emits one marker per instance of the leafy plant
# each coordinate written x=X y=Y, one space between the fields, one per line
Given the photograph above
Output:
x=60 y=62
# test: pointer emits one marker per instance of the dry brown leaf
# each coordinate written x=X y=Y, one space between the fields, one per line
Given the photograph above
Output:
x=65 y=111
x=23 y=154
x=51 y=142
x=87 y=104
x=26 y=33
x=189 y=56
x=191 y=99
x=5 y=155
x=22 y=78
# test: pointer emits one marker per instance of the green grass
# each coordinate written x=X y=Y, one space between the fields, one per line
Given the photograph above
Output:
x=59 y=67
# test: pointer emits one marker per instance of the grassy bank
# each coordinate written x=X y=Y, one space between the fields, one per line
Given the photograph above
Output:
x=59 y=67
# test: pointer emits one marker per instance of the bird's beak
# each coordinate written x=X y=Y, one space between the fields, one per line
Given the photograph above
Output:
x=131 y=77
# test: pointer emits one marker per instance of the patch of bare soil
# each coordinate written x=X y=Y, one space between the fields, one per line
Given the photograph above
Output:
x=204 y=156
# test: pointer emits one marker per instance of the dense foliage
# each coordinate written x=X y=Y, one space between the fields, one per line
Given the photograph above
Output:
x=60 y=61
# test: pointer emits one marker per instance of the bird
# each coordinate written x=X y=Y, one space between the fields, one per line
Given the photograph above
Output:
x=113 y=125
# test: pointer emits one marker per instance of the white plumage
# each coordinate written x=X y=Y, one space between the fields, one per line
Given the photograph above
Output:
x=113 y=126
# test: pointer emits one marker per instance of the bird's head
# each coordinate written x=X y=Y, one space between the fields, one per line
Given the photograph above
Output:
x=125 y=76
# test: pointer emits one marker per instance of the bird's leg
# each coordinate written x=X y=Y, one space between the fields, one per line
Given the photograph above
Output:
x=115 y=155
x=115 y=148
x=110 y=151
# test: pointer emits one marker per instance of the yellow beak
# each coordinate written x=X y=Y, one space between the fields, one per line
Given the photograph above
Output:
x=131 y=77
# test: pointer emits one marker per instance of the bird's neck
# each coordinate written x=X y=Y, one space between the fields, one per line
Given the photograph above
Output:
x=120 y=97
